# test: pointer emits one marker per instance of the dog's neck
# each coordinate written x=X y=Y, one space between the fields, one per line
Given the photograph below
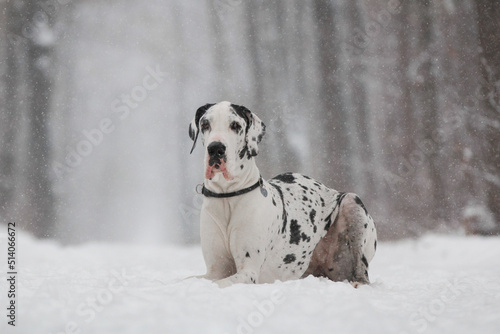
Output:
x=246 y=177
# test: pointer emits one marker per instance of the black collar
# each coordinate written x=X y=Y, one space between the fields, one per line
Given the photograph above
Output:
x=208 y=193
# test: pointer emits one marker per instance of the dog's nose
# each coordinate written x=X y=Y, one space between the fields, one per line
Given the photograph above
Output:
x=216 y=149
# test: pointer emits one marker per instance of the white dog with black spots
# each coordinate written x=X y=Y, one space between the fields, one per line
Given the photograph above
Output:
x=289 y=227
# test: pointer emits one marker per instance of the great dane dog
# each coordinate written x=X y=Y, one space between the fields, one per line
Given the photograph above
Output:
x=257 y=231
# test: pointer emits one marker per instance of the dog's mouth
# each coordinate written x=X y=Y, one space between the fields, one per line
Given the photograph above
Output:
x=217 y=166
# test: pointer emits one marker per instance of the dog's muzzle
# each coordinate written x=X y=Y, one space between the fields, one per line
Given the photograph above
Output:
x=217 y=160
x=216 y=152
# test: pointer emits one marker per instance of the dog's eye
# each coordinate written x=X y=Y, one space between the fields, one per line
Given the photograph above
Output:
x=235 y=126
x=205 y=125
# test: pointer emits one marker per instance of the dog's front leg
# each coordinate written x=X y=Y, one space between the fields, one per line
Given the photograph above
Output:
x=248 y=258
x=215 y=248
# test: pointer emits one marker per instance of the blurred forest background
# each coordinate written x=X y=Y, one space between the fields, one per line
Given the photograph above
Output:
x=396 y=100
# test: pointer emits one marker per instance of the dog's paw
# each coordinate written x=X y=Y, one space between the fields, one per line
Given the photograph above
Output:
x=224 y=283
x=355 y=284
x=359 y=284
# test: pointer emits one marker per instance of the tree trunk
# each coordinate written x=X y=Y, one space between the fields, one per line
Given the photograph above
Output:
x=426 y=108
x=488 y=12
x=334 y=151
x=35 y=29
x=10 y=28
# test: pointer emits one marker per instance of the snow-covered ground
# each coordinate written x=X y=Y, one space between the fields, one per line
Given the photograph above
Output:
x=438 y=284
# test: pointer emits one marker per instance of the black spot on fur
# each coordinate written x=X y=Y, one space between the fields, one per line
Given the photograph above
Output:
x=365 y=262
x=284 y=215
x=304 y=198
x=305 y=237
x=286 y=178
x=274 y=202
x=244 y=113
x=328 y=222
x=312 y=215
x=241 y=167
x=289 y=258
x=247 y=255
x=259 y=137
x=306 y=177
x=375 y=244
x=192 y=132
x=243 y=151
x=294 y=232
x=340 y=198
x=366 y=225
x=358 y=201
x=314 y=229
x=199 y=114
x=303 y=187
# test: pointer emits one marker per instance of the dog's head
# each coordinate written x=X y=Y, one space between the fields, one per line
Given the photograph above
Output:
x=230 y=135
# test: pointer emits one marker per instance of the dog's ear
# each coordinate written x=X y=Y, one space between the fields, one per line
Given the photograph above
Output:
x=255 y=129
x=255 y=133
x=194 y=126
